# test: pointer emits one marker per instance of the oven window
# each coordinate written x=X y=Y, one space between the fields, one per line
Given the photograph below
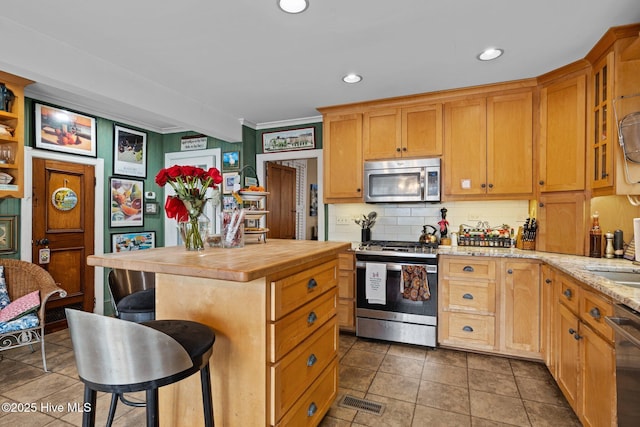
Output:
x=395 y=302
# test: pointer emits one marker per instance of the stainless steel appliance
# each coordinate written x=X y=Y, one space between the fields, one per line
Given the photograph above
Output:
x=414 y=180
x=626 y=325
x=397 y=319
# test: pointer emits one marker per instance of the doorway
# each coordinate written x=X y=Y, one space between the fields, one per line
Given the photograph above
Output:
x=281 y=203
x=27 y=236
x=305 y=190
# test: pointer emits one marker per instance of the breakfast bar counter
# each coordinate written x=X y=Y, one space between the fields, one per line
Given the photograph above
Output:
x=273 y=308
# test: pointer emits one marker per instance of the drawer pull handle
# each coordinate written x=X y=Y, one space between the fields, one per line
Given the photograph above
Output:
x=467 y=329
x=567 y=293
x=468 y=268
x=509 y=271
x=595 y=313
x=467 y=296
x=577 y=337
x=311 y=319
x=312 y=360
x=313 y=408
x=547 y=281
x=312 y=284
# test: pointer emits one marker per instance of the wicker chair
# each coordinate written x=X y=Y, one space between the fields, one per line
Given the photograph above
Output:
x=23 y=277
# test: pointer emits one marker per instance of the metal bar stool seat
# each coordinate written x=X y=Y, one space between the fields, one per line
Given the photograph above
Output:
x=117 y=356
x=139 y=306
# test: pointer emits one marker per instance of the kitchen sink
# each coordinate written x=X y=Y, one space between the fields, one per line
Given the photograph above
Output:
x=627 y=278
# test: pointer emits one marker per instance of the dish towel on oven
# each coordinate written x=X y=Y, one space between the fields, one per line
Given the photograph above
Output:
x=415 y=285
x=375 y=288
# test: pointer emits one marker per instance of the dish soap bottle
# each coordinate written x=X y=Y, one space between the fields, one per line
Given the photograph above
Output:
x=595 y=241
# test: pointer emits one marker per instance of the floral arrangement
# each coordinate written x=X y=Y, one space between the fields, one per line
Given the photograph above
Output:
x=190 y=184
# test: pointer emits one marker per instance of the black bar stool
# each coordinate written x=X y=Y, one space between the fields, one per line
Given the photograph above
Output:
x=118 y=356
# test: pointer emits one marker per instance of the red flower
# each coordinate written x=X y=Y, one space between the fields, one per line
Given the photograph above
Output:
x=215 y=175
x=161 y=177
x=174 y=171
x=189 y=171
x=176 y=209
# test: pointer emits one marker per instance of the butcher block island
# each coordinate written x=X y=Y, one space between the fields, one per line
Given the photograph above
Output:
x=273 y=308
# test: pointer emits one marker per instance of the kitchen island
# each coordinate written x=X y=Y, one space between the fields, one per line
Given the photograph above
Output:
x=273 y=308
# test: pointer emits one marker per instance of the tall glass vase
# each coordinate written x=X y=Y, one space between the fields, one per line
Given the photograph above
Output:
x=194 y=232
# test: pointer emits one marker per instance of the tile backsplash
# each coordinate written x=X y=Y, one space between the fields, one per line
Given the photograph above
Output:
x=404 y=221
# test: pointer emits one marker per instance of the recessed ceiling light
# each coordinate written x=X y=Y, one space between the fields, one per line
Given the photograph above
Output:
x=293 y=6
x=352 y=78
x=489 y=54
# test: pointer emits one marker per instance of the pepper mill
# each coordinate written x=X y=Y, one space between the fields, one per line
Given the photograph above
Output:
x=618 y=244
x=609 y=252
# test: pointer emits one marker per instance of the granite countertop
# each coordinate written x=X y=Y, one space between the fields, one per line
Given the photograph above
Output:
x=251 y=262
x=579 y=267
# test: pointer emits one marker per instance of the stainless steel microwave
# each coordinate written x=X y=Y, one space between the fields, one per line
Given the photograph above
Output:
x=397 y=181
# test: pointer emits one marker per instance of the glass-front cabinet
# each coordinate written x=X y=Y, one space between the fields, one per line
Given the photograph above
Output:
x=604 y=129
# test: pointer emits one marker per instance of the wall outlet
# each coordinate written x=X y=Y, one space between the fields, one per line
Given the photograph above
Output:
x=343 y=220
x=473 y=217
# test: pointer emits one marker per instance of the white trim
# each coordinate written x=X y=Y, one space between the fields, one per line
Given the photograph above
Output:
x=26 y=210
x=294 y=155
x=178 y=157
x=291 y=122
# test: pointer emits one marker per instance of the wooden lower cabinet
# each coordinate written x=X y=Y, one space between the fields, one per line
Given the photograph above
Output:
x=583 y=353
x=490 y=304
x=347 y=291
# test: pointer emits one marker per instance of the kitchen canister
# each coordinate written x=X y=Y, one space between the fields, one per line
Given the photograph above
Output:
x=636 y=236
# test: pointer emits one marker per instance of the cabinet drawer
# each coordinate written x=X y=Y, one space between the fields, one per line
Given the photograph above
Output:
x=296 y=290
x=593 y=309
x=569 y=293
x=471 y=328
x=470 y=296
x=300 y=367
x=294 y=328
x=316 y=401
x=469 y=268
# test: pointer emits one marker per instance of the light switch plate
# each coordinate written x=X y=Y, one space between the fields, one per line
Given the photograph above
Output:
x=465 y=184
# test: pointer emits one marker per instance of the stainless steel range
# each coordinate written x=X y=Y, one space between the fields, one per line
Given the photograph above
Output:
x=397 y=292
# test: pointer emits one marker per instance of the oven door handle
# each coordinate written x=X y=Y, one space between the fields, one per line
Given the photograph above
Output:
x=391 y=266
x=616 y=322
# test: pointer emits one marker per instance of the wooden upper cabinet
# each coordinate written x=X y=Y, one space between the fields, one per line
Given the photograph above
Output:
x=403 y=132
x=12 y=143
x=562 y=135
x=562 y=222
x=510 y=144
x=604 y=132
x=343 y=164
x=489 y=146
x=465 y=149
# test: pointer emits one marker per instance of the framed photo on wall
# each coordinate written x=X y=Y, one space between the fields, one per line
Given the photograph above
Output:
x=289 y=140
x=229 y=180
x=129 y=152
x=66 y=131
x=126 y=202
x=8 y=234
x=231 y=160
x=135 y=241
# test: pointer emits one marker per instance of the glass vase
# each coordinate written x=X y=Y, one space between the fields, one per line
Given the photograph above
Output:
x=194 y=232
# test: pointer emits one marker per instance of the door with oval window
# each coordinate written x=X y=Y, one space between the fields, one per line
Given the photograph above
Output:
x=62 y=229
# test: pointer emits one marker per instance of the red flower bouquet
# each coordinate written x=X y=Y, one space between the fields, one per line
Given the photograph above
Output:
x=190 y=184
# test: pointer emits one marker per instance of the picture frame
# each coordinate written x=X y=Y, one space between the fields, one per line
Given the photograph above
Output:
x=133 y=241
x=289 y=140
x=229 y=180
x=66 y=131
x=231 y=160
x=129 y=152
x=8 y=234
x=151 y=208
x=126 y=202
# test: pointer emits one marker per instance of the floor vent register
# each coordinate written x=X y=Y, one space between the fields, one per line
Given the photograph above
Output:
x=361 y=405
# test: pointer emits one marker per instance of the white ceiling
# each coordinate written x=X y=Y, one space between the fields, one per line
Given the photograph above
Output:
x=209 y=65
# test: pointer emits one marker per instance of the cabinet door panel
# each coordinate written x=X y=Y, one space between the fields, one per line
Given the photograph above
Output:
x=568 y=354
x=422 y=131
x=562 y=223
x=381 y=134
x=510 y=144
x=521 y=302
x=598 y=392
x=465 y=159
x=562 y=135
x=343 y=158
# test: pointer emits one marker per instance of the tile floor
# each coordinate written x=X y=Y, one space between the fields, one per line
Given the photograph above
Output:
x=418 y=386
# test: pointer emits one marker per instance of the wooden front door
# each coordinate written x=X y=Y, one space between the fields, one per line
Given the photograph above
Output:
x=281 y=202
x=63 y=222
